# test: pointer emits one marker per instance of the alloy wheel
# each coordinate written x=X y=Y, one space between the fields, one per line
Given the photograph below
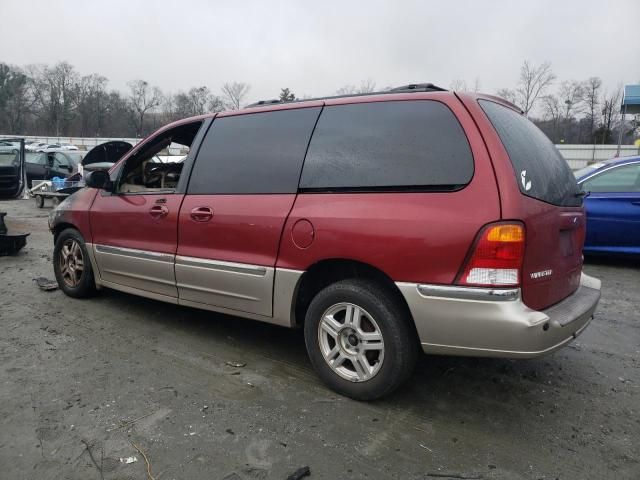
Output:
x=351 y=342
x=71 y=263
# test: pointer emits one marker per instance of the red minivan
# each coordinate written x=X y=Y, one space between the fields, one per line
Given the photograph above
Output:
x=382 y=224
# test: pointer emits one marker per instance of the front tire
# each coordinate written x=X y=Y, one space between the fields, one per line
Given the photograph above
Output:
x=72 y=265
x=360 y=339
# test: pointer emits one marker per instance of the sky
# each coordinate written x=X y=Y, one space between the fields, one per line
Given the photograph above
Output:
x=316 y=47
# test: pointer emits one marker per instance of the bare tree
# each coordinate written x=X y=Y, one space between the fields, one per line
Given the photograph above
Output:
x=367 y=86
x=553 y=111
x=14 y=100
x=571 y=96
x=53 y=90
x=591 y=99
x=234 y=94
x=458 y=85
x=508 y=94
x=142 y=99
x=610 y=112
x=216 y=104
x=534 y=82
x=91 y=103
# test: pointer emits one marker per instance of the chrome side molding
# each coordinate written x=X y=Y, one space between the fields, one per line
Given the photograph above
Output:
x=470 y=293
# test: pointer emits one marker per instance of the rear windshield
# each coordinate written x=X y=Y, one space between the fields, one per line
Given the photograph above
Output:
x=540 y=170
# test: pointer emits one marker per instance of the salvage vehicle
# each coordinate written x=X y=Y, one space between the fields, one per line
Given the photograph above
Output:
x=612 y=206
x=382 y=224
x=47 y=165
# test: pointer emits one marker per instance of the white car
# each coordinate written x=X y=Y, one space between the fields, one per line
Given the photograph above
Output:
x=68 y=146
x=33 y=146
x=56 y=147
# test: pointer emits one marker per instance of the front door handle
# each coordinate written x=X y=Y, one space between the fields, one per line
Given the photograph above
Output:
x=202 y=214
x=158 y=211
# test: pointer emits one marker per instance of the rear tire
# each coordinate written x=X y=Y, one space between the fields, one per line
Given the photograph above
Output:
x=72 y=265
x=360 y=339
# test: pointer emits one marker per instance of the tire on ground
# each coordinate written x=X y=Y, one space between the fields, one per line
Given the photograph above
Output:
x=86 y=285
x=393 y=319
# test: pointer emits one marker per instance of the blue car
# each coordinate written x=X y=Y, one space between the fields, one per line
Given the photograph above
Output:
x=612 y=205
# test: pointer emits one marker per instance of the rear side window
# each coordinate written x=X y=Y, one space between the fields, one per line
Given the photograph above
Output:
x=540 y=170
x=388 y=145
x=253 y=153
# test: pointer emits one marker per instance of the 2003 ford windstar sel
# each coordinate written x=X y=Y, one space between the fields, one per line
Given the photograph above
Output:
x=381 y=224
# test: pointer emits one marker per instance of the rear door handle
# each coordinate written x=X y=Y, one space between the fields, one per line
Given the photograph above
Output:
x=158 y=211
x=202 y=214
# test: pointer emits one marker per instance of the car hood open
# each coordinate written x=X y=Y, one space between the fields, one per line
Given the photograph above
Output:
x=108 y=152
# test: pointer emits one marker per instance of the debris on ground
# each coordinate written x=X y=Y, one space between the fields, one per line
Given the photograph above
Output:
x=236 y=364
x=300 y=473
x=146 y=460
x=46 y=284
x=128 y=459
x=463 y=476
x=10 y=242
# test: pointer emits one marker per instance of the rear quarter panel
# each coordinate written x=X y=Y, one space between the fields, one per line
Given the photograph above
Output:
x=412 y=237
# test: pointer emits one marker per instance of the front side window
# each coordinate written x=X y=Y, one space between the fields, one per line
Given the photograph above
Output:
x=388 y=145
x=253 y=153
x=625 y=178
x=151 y=169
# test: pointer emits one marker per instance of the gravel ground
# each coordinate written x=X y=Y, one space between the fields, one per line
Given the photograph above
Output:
x=83 y=381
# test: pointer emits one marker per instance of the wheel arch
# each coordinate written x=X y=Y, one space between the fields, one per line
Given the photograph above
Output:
x=58 y=228
x=328 y=271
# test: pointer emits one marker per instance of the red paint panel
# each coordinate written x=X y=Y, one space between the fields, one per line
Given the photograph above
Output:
x=75 y=211
x=552 y=243
x=243 y=229
x=128 y=221
x=413 y=237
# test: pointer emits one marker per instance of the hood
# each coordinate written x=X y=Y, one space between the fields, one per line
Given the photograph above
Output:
x=108 y=152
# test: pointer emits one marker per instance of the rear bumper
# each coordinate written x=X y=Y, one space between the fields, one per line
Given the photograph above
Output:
x=496 y=323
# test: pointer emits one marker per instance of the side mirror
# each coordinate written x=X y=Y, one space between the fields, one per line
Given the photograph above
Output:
x=98 y=179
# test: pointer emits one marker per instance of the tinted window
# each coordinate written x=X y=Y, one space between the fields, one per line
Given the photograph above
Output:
x=388 y=144
x=540 y=170
x=254 y=153
x=619 y=179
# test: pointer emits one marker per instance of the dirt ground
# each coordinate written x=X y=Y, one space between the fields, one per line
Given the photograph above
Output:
x=83 y=381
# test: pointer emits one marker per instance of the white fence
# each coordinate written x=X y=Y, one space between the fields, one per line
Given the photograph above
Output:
x=577 y=156
x=87 y=142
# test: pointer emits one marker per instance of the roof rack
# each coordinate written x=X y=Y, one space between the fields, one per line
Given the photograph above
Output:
x=410 y=88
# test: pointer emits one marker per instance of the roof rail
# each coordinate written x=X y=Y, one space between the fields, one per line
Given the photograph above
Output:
x=410 y=88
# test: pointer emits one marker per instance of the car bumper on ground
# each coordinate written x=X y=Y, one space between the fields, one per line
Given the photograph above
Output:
x=496 y=323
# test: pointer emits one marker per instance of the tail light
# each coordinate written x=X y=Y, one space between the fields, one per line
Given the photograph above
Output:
x=496 y=257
